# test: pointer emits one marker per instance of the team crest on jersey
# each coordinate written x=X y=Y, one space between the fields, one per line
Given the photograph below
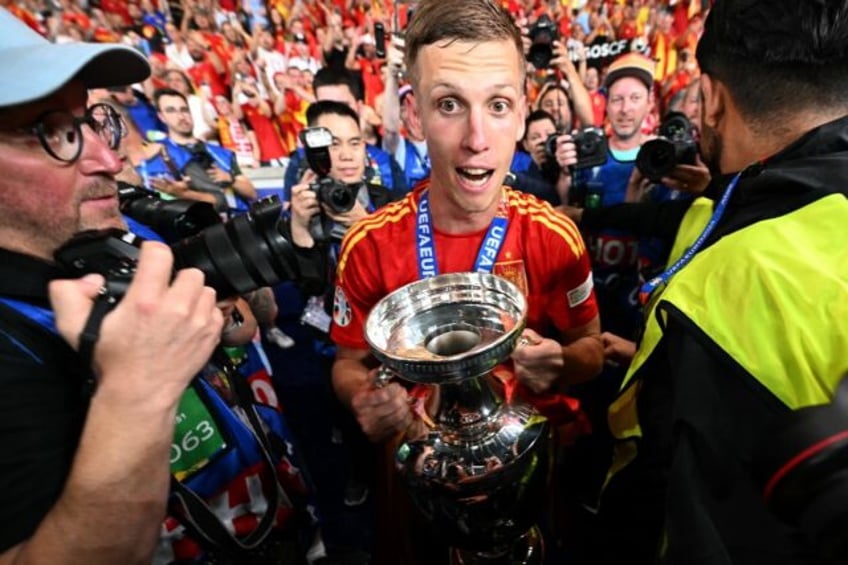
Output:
x=514 y=272
x=341 y=308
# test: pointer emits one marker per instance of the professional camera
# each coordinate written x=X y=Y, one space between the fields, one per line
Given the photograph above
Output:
x=338 y=196
x=675 y=145
x=246 y=253
x=590 y=143
x=542 y=36
x=197 y=170
x=171 y=219
x=803 y=467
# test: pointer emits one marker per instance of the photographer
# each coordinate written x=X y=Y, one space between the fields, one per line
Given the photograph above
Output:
x=205 y=167
x=750 y=326
x=89 y=409
x=616 y=255
x=568 y=102
x=544 y=178
x=313 y=409
x=348 y=158
x=382 y=168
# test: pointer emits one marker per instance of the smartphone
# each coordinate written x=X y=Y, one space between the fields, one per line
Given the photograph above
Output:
x=380 y=39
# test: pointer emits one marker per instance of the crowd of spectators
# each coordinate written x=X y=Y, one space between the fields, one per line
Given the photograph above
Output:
x=247 y=66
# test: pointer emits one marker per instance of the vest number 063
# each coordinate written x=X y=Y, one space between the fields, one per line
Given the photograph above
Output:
x=191 y=440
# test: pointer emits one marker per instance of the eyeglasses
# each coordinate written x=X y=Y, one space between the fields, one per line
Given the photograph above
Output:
x=172 y=110
x=60 y=132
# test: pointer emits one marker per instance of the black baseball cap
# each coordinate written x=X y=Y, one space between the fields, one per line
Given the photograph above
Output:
x=773 y=33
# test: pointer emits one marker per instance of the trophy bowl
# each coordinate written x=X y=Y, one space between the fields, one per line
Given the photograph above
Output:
x=447 y=328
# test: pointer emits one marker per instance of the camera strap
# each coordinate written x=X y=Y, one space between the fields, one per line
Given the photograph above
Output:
x=197 y=517
x=103 y=304
x=662 y=279
x=170 y=163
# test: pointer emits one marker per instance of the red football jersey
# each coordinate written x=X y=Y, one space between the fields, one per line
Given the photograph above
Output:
x=542 y=253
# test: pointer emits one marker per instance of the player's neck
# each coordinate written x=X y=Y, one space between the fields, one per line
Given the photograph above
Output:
x=449 y=217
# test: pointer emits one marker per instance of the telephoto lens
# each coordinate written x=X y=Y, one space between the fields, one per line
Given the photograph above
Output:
x=248 y=252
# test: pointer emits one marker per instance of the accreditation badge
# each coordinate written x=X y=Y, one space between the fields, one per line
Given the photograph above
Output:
x=197 y=438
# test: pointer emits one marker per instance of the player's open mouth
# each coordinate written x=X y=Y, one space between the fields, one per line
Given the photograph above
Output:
x=476 y=177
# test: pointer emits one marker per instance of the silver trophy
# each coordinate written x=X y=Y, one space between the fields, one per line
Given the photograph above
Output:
x=479 y=475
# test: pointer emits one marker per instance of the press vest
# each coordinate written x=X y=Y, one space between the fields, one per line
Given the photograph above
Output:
x=776 y=263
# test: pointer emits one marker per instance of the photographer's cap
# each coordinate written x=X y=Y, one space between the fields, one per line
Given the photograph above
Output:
x=31 y=67
x=633 y=65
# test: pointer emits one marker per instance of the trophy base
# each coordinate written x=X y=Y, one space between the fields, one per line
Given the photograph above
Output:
x=526 y=550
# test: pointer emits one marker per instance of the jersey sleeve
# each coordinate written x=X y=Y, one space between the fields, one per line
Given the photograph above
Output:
x=568 y=297
x=357 y=290
x=577 y=292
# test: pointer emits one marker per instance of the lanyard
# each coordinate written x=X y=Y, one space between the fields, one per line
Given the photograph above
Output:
x=662 y=279
x=485 y=262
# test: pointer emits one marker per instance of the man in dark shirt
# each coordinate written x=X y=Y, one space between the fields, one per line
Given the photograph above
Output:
x=544 y=178
x=85 y=476
x=748 y=326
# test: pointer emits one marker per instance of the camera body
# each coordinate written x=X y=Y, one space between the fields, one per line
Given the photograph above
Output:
x=380 y=40
x=590 y=143
x=674 y=146
x=337 y=196
x=542 y=36
x=201 y=160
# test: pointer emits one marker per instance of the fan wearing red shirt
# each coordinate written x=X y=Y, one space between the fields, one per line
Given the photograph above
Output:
x=249 y=104
x=469 y=87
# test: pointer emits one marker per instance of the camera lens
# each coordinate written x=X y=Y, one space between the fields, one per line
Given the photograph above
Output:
x=246 y=253
x=656 y=158
x=338 y=196
x=588 y=145
x=341 y=198
x=551 y=144
x=172 y=220
x=540 y=54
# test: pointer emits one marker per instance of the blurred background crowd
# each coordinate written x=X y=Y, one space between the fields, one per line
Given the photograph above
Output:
x=247 y=67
